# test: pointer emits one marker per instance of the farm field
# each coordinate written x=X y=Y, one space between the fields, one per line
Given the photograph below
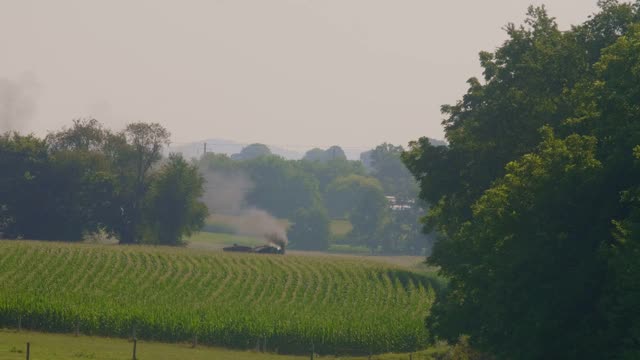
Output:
x=340 y=305
x=64 y=346
x=216 y=241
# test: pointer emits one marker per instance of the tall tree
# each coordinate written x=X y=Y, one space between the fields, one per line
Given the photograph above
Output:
x=252 y=151
x=387 y=167
x=335 y=152
x=362 y=201
x=280 y=186
x=534 y=193
x=137 y=149
x=332 y=153
x=24 y=161
x=172 y=207
x=315 y=154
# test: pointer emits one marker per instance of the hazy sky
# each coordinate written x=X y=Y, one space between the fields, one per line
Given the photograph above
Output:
x=295 y=73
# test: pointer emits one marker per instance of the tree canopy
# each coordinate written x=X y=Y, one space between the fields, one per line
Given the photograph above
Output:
x=172 y=206
x=534 y=195
x=332 y=153
x=86 y=178
x=387 y=167
x=361 y=200
x=252 y=151
x=310 y=229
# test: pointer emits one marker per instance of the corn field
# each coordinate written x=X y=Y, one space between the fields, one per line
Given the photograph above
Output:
x=287 y=303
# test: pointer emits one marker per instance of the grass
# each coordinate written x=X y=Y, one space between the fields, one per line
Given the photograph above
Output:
x=349 y=249
x=340 y=304
x=216 y=241
x=63 y=347
x=59 y=346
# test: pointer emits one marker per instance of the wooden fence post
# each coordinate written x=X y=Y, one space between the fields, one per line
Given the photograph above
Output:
x=135 y=342
x=28 y=350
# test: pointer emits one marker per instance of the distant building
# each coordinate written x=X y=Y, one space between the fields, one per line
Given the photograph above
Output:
x=395 y=206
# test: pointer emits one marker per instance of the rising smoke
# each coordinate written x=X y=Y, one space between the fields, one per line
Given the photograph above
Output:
x=17 y=102
x=226 y=193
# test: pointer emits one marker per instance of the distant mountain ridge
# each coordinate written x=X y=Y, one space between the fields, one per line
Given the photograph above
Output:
x=230 y=147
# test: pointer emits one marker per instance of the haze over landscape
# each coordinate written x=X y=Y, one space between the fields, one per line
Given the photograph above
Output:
x=297 y=74
x=238 y=179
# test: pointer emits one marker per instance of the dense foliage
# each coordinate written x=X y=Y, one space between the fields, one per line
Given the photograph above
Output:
x=402 y=231
x=386 y=166
x=252 y=151
x=310 y=229
x=332 y=153
x=535 y=196
x=172 y=207
x=290 y=302
x=86 y=178
x=327 y=189
x=361 y=200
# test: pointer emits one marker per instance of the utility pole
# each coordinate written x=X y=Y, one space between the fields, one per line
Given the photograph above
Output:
x=205 y=148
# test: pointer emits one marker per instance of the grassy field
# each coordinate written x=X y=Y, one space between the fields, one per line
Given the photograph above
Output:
x=63 y=347
x=340 y=304
x=216 y=241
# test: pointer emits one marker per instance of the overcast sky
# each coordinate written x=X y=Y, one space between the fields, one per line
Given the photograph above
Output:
x=295 y=73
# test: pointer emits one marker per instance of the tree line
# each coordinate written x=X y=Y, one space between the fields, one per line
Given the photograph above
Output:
x=325 y=186
x=536 y=196
x=87 y=178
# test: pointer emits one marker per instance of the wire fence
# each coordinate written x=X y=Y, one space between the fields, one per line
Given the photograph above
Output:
x=30 y=351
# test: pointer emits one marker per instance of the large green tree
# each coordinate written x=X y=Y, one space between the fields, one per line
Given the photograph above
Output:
x=327 y=172
x=534 y=194
x=84 y=179
x=172 y=206
x=361 y=200
x=136 y=150
x=58 y=188
x=280 y=186
x=332 y=153
x=252 y=151
x=24 y=196
x=387 y=167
